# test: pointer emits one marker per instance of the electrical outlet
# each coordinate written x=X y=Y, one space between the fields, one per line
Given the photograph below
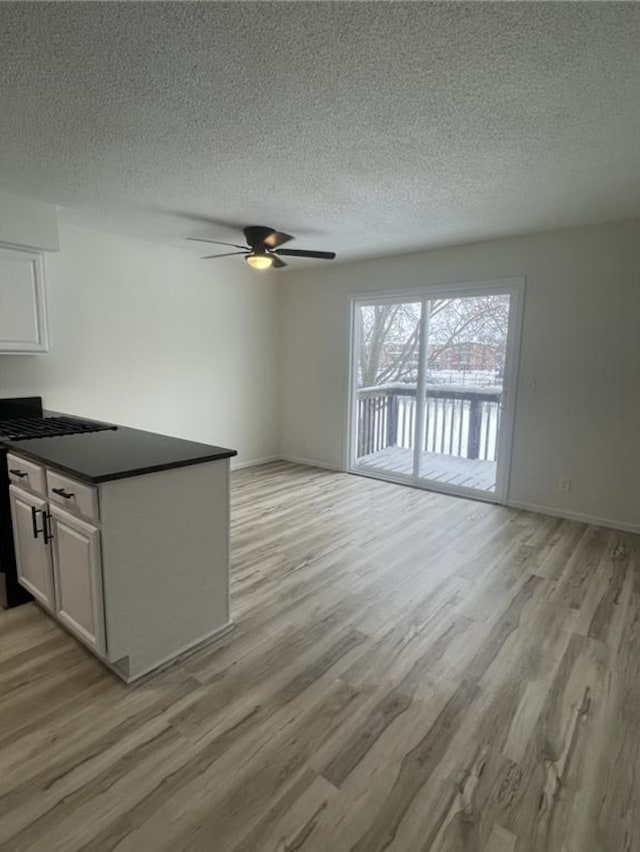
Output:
x=564 y=484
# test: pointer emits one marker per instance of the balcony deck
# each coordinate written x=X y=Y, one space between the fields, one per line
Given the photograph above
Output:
x=452 y=470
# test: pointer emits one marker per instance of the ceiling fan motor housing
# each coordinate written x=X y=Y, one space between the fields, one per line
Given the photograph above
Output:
x=256 y=235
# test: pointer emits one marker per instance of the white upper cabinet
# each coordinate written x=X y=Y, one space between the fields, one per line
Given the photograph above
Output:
x=23 y=312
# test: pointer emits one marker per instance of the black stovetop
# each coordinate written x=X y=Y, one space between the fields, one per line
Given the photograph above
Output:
x=24 y=428
x=22 y=418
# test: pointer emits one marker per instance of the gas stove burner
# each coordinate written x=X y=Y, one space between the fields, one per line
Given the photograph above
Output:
x=25 y=428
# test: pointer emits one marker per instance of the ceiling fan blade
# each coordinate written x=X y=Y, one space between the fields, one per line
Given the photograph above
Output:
x=215 y=242
x=275 y=239
x=323 y=255
x=226 y=254
x=277 y=263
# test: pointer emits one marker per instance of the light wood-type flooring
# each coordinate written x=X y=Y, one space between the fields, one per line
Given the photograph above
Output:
x=410 y=672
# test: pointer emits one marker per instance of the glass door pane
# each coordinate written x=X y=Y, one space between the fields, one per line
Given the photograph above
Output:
x=387 y=360
x=465 y=362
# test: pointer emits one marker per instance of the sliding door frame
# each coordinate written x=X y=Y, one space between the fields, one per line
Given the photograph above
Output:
x=515 y=288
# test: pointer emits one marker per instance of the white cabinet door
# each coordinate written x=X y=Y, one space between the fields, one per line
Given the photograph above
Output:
x=33 y=554
x=78 y=577
x=23 y=321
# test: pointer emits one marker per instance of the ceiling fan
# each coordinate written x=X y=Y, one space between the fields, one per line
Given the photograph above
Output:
x=263 y=248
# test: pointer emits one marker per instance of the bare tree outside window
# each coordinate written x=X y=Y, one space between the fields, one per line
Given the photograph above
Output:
x=464 y=333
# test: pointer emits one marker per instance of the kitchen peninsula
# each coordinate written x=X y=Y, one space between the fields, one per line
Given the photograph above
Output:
x=123 y=537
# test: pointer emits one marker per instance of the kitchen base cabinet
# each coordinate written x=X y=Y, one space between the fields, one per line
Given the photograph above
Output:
x=165 y=563
x=33 y=554
x=77 y=572
x=136 y=568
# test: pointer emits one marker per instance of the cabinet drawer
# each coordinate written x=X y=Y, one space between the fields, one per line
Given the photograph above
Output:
x=76 y=497
x=26 y=474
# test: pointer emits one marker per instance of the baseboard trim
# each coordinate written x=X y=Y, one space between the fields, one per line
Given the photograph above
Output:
x=573 y=516
x=254 y=462
x=312 y=463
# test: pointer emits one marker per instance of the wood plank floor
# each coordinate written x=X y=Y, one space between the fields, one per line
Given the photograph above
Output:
x=410 y=673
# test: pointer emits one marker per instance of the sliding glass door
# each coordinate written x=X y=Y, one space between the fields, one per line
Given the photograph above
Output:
x=431 y=387
x=388 y=336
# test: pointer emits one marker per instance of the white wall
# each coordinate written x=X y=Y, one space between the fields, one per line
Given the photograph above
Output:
x=152 y=337
x=581 y=342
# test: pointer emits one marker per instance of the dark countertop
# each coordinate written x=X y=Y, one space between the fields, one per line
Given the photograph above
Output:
x=116 y=454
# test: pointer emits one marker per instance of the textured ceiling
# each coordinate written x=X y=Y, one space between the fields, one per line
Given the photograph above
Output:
x=367 y=127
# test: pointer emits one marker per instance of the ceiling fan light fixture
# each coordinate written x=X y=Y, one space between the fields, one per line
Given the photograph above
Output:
x=259 y=260
x=263 y=248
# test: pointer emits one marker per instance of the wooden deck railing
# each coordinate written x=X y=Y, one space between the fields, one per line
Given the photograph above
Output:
x=459 y=421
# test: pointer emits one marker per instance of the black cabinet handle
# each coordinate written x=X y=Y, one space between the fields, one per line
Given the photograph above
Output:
x=19 y=473
x=48 y=535
x=34 y=521
x=66 y=494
